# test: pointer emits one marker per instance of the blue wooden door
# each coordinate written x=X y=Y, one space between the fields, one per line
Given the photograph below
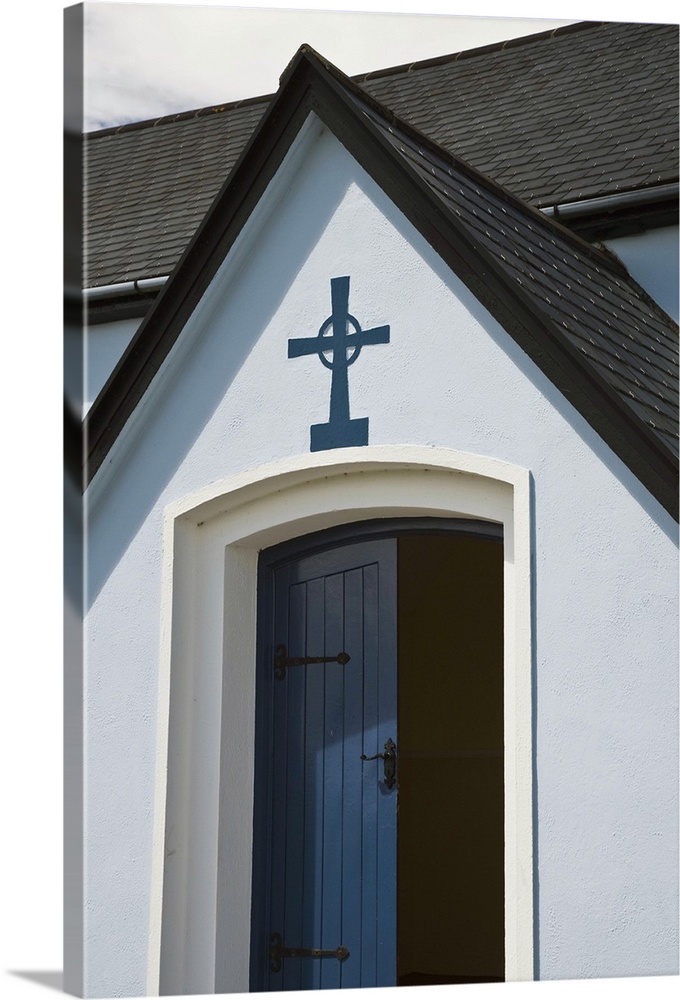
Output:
x=327 y=861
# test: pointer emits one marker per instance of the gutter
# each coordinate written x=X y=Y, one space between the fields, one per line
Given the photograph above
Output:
x=613 y=202
x=140 y=286
x=568 y=210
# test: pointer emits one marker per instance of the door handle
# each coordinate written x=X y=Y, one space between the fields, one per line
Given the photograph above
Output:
x=389 y=759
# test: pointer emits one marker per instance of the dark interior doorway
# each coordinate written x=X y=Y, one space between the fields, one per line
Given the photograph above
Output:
x=450 y=845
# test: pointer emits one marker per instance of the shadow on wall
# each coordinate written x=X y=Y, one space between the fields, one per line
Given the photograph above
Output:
x=125 y=507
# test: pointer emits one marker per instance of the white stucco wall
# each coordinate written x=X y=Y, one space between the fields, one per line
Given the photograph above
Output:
x=229 y=400
x=652 y=259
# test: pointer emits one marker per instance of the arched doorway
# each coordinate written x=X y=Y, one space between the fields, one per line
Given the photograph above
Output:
x=199 y=926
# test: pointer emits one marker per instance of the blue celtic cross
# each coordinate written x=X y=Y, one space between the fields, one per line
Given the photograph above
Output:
x=338 y=348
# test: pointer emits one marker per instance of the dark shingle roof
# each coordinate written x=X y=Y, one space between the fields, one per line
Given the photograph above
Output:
x=586 y=110
x=572 y=115
x=148 y=188
x=580 y=293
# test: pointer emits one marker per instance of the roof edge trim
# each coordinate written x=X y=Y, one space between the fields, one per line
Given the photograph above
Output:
x=178 y=116
x=479 y=50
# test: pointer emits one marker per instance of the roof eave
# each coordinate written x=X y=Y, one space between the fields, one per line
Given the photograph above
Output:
x=620 y=214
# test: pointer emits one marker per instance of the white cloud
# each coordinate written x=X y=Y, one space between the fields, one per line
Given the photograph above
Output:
x=148 y=60
x=145 y=60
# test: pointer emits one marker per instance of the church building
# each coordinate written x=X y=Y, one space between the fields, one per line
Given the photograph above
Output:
x=372 y=507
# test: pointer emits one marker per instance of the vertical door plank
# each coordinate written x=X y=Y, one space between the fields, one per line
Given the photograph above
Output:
x=352 y=833
x=295 y=781
x=370 y=783
x=386 y=858
x=333 y=777
x=314 y=778
x=279 y=744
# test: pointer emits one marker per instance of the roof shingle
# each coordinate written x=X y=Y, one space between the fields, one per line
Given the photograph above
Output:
x=583 y=111
x=583 y=296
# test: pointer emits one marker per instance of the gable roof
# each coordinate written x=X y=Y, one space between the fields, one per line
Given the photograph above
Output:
x=582 y=111
x=573 y=309
x=585 y=301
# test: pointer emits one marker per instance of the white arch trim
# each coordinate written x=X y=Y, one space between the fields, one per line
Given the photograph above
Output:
x=206 y=704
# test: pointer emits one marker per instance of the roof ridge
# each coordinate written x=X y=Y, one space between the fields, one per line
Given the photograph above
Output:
x=499 y=46
x=224 y=106
x=177 y=116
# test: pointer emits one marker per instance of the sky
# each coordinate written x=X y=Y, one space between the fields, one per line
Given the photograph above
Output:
x=30 y=735
x=152 y=59
x=144 y=61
